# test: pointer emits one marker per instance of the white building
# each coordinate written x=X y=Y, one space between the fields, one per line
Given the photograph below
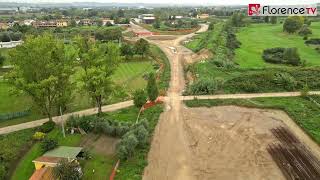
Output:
x=10 y=44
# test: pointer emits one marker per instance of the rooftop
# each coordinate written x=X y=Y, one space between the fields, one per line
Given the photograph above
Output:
x=64 y=152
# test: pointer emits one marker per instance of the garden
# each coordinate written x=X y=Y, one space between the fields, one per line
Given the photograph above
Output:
x=22 y=147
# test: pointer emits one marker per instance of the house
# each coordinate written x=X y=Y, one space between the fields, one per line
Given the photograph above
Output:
x=203 y=16
x=86 y=22
x=147 y=18
x=51 y=159
x=175 y=17
x=107 y=21
x=28 y=22
x=62 y=23
x=44 y=24
x=10 y=44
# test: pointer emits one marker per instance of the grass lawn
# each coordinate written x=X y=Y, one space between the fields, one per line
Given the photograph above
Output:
x=101 y=164
x=257 y=37
x=25 y=167
x=129 y=75
x=14 y=145
x=303 y=111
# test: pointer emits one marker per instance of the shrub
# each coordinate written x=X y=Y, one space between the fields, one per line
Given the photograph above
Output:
x=122 y=152
x=305 y=37
x=139 y=98
x=248 y=86
x=313 y=41
x=130 y=142
x=206 y=86
x=39 y=136
x=47 y=127
x=67 y=170
x=142 y=135
x=285 y=80
x=48 y=144
x=2 y=171
x=282 y=56
x=305 y=30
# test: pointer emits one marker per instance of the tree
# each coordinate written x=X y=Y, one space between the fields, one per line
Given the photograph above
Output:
x=2 y=59
x=305 y=30
x=73 y=23
x=293 y=24
x=142 y=47
x=127 y=50
x=152 y=87
x=156 y=24
x=139 y=98
x=98 y=61
x=66 y=170
x=211 y=26
x=42 y=69
x=273 y=20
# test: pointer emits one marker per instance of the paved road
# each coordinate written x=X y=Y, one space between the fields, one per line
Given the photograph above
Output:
x=57 y=119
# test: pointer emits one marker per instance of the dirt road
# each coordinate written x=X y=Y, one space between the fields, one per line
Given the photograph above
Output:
x=217 y=143
x=169 y=156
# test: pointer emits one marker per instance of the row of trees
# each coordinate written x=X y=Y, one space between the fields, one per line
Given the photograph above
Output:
x=43 y=66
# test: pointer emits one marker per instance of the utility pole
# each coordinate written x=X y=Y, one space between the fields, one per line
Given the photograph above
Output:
x=62 y=123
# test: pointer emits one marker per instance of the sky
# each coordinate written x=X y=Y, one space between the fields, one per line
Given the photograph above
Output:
x=200 y=2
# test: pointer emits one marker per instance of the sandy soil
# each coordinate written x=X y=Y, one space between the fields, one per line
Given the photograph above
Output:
x=101 y=144
x=230 y=143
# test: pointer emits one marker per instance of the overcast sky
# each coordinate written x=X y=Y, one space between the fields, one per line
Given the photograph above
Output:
x=201 y=2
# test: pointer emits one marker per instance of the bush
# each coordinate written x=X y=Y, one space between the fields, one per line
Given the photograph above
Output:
x=127 y=145
x=286 y=81
x=67 y=170
x=39 y=136
x=313 y=41
x=48 y=144
x=206 y=86
x=47 y=127
x=248 y=86
x=139 y=98
x=142 y=135
x=282 y=56
x=3 y=171
x=305 y=30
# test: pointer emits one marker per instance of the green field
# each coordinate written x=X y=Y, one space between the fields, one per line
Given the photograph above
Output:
x=301 y=109
x=130 y=75
x=257 y=37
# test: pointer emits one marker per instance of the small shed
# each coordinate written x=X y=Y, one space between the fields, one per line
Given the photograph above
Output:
x=53 y=157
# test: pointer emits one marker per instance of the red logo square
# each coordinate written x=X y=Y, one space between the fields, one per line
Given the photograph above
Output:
x=253 y=9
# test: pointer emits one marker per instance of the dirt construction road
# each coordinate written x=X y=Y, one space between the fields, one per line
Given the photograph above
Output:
x=220 y=143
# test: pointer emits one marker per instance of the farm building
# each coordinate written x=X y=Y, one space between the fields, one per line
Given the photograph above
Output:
x=147 y=18
x=50 y=159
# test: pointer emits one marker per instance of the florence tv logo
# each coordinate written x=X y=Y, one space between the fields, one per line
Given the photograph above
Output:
x=282 y=10
x=254 y=9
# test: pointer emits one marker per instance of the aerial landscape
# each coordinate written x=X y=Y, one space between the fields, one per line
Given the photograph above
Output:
x=148 y=90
